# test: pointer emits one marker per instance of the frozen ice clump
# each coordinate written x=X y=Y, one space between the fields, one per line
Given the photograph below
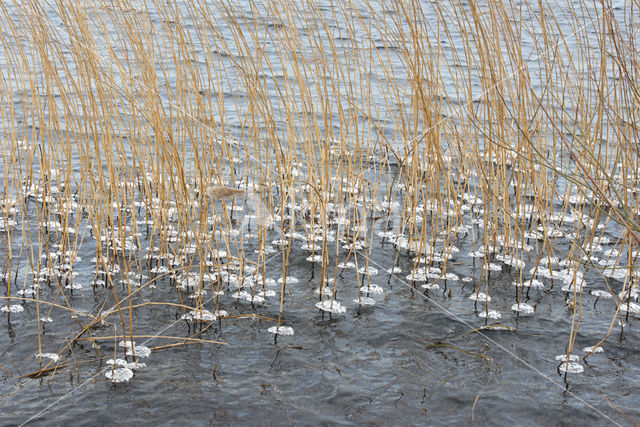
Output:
x=480 y=296
x=282 y=330
x=371 y=271
x=131 y=348
x=119 y=375
x=267 y=293
x=347 y=264
x=124 y=364
x=593 y=349
x=533 y=283
x=571 y=358
x=244 y=295
x=601 y=294
x=570 y=363
x=631 y=307
x=451 y=277
x=523 y=308
x=13 y=308
x=365 y=301
x=51 y=356
x=492 y=314
x=372 y=289
x=417 y=276
x=331 y=306
x=494 y=267
x=200 y=315
x=139 y=350
x=572 y=368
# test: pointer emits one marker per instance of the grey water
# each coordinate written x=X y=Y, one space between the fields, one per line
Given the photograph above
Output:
x=416 y=357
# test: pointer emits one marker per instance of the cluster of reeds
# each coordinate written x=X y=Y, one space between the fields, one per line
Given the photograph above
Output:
x=513 y=126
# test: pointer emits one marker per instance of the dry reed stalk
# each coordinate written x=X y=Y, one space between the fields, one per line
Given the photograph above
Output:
x=510 y=143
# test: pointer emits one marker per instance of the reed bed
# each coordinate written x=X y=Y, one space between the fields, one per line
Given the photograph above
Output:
x=200 y=146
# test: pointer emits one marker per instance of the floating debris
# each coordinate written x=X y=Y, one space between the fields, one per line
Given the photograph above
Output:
x=219 y=192
x=593 y=349
x=498 y=328
x=331 y=306
x=281 y=330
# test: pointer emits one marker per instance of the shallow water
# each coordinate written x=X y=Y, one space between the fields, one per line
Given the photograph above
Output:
x=410 y=359
x=414 y=358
